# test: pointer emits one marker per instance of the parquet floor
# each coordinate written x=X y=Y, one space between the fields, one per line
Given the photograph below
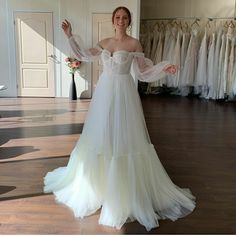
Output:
x=195 y=140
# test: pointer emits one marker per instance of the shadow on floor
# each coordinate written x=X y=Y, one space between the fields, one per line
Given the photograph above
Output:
x=11 y=152
x=6 y=189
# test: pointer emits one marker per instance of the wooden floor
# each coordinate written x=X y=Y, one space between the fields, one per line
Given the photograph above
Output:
x=195 y=140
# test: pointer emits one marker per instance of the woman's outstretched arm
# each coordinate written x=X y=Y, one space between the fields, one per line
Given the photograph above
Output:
x=81 y=54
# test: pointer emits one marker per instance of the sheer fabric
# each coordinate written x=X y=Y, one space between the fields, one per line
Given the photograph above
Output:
x=224 y=49
x=210 y=65
x=201 y=74
x=229 y=77
x=86 y=55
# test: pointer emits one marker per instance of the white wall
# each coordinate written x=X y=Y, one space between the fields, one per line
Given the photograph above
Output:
x=5 y=66
x=79 y=12
x=186 y=8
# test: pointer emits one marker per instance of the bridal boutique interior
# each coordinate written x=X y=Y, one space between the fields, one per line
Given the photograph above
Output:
x=190 y=119
x=201 y=43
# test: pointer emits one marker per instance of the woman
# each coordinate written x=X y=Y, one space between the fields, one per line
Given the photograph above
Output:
x=114 y=165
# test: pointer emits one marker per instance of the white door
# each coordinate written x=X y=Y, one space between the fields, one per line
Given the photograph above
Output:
x=102 y=28
x=35 y=54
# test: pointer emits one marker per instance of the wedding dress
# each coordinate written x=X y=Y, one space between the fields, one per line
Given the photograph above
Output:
x=114 y=165
x=229 y=81
x=190 y=64
x=210 y=65
x=200 y=83
x=183 y=54
x=224 y=49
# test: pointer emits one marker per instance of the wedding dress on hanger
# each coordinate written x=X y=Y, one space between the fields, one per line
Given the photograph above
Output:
x=190 y=64
x=200 y=83
x=229 y=78
x=224 y=49
x=114 y=165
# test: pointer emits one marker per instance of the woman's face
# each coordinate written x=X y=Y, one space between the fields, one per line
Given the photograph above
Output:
x=121 y=20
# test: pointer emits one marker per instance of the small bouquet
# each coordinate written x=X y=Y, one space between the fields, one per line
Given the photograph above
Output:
x=73 y=64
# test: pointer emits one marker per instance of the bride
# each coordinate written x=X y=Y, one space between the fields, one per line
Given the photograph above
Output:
x=114 y=165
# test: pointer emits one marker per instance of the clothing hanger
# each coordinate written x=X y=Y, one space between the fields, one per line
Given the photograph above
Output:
x=231 y=24
x=177 y=24
x=157 y=24
x=170 y=22
x=186 y=25
x=180 y=25
x=208 y=23
x=163 y=25
x=226 y=24
x=195 y=23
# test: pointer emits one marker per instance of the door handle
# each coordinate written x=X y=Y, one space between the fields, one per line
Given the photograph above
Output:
x=54 y=57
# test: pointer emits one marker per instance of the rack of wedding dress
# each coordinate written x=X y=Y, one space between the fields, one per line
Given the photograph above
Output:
x=203 y=49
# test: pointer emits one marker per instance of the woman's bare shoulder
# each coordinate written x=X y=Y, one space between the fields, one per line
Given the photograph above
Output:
x=104 y=42
x=137 y=47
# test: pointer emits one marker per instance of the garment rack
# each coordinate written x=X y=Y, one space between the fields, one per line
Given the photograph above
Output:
x=190 y=18
x=171 y=18
x=222 y=18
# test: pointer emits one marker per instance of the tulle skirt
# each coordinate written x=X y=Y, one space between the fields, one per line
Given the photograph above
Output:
x=115 y=167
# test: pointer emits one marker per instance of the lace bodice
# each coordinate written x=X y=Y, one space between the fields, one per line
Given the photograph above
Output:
x=119 y=62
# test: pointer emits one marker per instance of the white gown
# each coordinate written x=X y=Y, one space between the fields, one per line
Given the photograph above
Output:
x=200 y=82
x=114 y=165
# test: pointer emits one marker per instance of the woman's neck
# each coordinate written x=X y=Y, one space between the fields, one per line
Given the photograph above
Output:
x=120 y=35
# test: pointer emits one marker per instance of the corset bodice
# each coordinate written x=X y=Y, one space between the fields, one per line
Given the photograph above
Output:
x=118 y=63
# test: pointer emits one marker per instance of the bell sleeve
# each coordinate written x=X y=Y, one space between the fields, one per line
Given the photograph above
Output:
x=87 y=55
x=145 y=71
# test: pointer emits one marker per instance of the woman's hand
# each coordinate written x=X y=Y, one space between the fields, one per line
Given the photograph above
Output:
x=66 y=26
x=171 y=69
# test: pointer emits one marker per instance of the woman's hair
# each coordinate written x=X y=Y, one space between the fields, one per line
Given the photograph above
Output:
x=121 y=8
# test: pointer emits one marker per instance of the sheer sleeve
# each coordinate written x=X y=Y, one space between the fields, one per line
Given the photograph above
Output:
x=145 y=71
x=87 y=55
